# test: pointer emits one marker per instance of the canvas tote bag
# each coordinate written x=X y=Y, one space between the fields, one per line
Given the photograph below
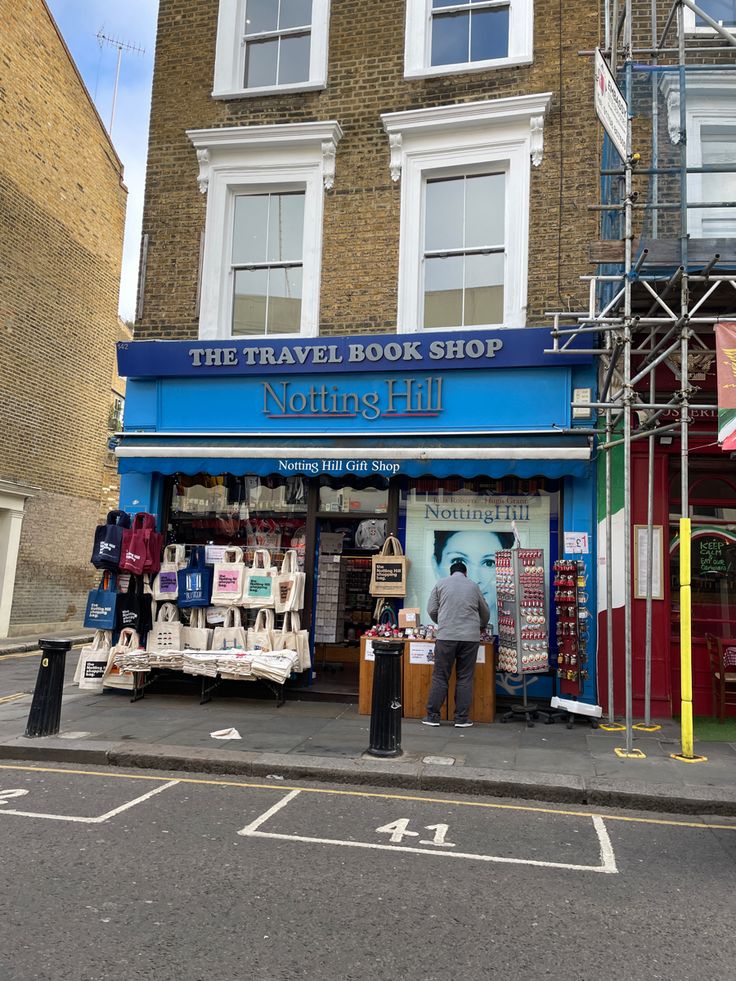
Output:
x=134 y=607
x=258 y=591
x=291 y=637
x=289 y=584
x=136 y=543
x=114 y=676
x=388 y=572
x=261 y=634
x=228 y=578
x=197 y=636
x=232 y=634
x=166 y=583
x=195 y=581
x=92 y=662
x=102 y=604
x=165 y=634
x=109 y=540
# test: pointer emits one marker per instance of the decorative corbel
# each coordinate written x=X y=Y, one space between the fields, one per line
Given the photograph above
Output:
x=394 y=142
x=537 y=139
x=329 y=153
x=673 y=115
x=203 y=179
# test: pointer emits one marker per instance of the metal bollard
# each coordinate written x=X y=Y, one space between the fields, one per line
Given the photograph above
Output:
x=385 y=735
x=45 y=714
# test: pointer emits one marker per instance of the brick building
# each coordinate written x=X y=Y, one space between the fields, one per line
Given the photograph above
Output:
x=62 y=210
x=355 y=216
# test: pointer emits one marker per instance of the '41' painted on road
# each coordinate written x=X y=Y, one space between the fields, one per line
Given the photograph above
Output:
x=399 y=830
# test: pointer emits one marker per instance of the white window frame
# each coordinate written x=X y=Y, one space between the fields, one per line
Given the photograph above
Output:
x=229 y=80
x=418 y=41
x=474 y=137
x=692 y=28
x=248 y=160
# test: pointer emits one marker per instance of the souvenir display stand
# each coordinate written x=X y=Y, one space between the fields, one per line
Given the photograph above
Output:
x=522 y=623
x=571 y=597
x=417 y=677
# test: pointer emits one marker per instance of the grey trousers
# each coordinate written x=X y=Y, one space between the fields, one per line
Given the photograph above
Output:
x=463 y=654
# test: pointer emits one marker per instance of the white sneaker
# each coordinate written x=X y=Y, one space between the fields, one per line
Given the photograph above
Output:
x=426 y=721
x=463 y=725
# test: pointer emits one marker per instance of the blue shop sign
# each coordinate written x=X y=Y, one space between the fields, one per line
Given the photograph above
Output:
x=429 y=351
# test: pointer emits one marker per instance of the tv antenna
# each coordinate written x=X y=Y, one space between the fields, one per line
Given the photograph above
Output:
x=122 y=46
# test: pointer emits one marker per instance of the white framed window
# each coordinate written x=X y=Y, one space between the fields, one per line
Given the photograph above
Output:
x=262 y=251
x=465 y=173
x=723 y=12
x=449 y=36
x=270 y=46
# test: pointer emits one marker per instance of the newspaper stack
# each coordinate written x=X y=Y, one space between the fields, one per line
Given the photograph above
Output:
x=132 y=661
x=274 y=665
x=199 y=662
x=174 y=660
x=235 y=666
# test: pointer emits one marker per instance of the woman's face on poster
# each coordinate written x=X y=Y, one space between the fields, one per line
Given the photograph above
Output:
x=477 y=549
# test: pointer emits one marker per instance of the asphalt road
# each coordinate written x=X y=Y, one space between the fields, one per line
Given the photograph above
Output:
x=178 y=877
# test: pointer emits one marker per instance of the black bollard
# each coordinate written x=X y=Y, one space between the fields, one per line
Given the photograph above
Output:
x=386 y=704
x=45 y=714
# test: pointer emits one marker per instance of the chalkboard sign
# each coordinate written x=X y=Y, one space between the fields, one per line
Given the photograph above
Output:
x=711 y=555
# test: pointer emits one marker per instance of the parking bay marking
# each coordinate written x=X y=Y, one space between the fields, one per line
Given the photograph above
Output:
x=85 y=820
x=607 y=858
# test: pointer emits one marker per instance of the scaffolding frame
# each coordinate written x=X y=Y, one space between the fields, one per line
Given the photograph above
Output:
x=631 y=345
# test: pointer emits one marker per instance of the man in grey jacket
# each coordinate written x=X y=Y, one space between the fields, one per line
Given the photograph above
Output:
x=457 y=606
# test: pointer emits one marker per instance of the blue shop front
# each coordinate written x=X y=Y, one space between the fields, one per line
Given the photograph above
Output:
x=462 y=445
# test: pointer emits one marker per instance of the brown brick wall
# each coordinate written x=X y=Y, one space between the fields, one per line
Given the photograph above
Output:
x=62 y=210
x=361 y=225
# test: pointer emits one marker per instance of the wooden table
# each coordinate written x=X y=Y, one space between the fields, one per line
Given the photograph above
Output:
x=417 y=677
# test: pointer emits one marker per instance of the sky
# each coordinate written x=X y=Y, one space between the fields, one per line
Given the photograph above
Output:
x=132 y=21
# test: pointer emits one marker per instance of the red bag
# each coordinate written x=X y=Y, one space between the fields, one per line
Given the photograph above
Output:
x=141 y=551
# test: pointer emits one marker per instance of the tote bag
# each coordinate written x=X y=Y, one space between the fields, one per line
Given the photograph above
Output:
x=232 y=634
x=134 y=609
x=197 y=636
x=291 y=637
x=261 y=634
x=92 y=662
x=166 y=584
x=165 y=634
x=114 y=676
x=228 y=578
x=388 y=571
x=108 y=544
x=136 y=542
x=289 y=584
x=258 y=591
x=195 y=581
x=102 y=604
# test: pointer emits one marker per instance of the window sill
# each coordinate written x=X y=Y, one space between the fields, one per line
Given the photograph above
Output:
x=270 y=90
x=464 y=69
x=510 y=324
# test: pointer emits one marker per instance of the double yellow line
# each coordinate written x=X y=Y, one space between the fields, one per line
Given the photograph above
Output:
x=4 y=699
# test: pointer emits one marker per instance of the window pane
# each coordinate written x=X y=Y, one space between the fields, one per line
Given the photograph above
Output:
x=260 y=63
x=286 y=227
x=483 y=289
x=718 y=146
x=285 y=301
x=443 y=292
x=249 y=302
x=295 y=13
x=444 y=215
x=294 y=59
x=489 y=34
x=723 y=11
x=450 y=39
x=261 y=15
x=446 y=3
x=485 y=212
x=249 y=232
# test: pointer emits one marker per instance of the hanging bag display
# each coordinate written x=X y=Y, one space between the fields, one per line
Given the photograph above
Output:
x=228 y=579
x=195 y=581
x=115 y=676
x=102 y=605
x=197 y=636
x=166 y=584
x=259 y=581
x=261 y=634
x=165 y=634
x=134 y=610
x=154 y=545
x=136 y=543
x=92 y=662
x=107 y=549
x=291 y=637
x=289 y=584
x=232 y=634
x=388 y=572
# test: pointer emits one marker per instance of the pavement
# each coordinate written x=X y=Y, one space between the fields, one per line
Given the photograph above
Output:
x=316 y=740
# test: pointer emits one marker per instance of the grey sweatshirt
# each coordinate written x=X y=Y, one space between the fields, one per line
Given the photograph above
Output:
x=457 y=606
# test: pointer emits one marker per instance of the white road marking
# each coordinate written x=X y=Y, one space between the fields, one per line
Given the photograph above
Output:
x=608 y=858
x=94 y=820
x=250 y=829
x=6 y=795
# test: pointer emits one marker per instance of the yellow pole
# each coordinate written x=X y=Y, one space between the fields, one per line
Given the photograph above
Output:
x=686 y=668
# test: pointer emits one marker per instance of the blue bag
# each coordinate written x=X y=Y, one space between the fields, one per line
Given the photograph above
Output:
x=108 y=540
x=102 y=604
x=195 y=582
